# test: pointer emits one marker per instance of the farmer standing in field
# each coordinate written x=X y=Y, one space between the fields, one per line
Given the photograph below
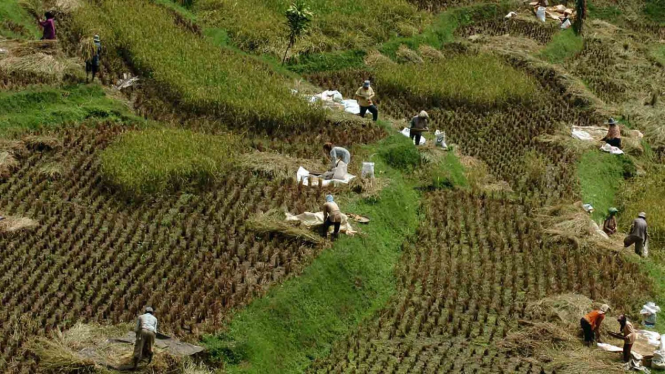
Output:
x=628 y=334
x=610 y=224
x=332 y=216
x=638 y=235
x=591 y=324
x=364 y=95
x=146 y=330
x=613 y=136
x=49 y=26
x=418 y=125
x=92 y=65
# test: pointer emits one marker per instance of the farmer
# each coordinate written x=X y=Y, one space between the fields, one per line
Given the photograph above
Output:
x=337 y=153
x=613 y=136
x=146 y=329
x=610 y=224
x=364 y=95
x=648 y=312
x=418 y=125
x=638 y=234
x=49 y=26
x=92 y=65
x=338 y=172
x=565 y=20
x=591 y=324
x=629 y=336
x=331 y=217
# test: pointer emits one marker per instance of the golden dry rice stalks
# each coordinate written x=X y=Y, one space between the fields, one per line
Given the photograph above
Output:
x=8 y=165
x=273 y=222
x=55 y=356
x=15 y=224
x=34 y=7
x=87 y=49
x=276 y=165
x=42 y=143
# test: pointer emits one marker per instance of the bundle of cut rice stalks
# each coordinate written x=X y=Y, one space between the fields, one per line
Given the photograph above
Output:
x=87 y=49
x=273 y=222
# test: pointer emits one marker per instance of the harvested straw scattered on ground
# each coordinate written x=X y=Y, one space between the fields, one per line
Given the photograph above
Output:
x=7 y=165
x=42 y=143
x=272 y=222
x=15 y=224
x=36 y=62
x=277 y=165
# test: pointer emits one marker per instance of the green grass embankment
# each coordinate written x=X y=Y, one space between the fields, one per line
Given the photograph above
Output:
x=299 y=321
x=42 y=107
x=600 y=175
x=564 y=45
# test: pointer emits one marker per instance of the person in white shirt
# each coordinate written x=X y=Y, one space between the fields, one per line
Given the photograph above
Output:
x=146 y=330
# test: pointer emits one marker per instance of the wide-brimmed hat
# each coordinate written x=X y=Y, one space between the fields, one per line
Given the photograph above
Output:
x=149 y=310
x=613 y=210
x=366 y=84
x=96 y=38
x=604 y=308
x=650 y=307
x=611 y=121
x=642 y=215
x=423 y=114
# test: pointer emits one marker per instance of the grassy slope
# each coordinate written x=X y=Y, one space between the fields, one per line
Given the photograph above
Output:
x=49 y=107
x=15 y=22
x=563 y=46
x=600 y=176
x=298 y=321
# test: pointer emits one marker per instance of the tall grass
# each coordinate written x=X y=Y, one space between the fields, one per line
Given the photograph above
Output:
x=600 y=176
x=199 y=77
x=160 y=160
x=563 y=46
x=259 y=26
x=16 y=22
x=480 y=80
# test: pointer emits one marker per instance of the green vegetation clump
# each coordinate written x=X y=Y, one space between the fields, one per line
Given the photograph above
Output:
x=654 y=10
x=563 y=46
x=42 y=107
x=191 y=71
x=445 y=173
x=16 y=22
x=481 y=81
x=400 y=153
x=160 y=160
x=600 y=175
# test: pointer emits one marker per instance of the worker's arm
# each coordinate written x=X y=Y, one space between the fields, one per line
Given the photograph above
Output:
x=138 y=325
x=325 y=212
x=597 y=333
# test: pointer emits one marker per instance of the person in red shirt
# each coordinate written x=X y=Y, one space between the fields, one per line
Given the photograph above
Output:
x=591 y=324
x=49 y=27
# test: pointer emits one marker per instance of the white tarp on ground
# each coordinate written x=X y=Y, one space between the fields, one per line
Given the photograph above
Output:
x=310 y=220
x=611 y=149
x=303 y=175
x=334 y=99
x=407 y=132
x=582 y=135
x=351 y=106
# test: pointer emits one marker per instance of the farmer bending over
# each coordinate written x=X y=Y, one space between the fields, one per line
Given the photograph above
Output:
x=610 y=224
x=331 y=217
x=613 y=136
x=591 y=324
x=638 y=234
x=49 y=26
x=146 y=329
x=418 y=125
x=364 y=95
x=337 y=153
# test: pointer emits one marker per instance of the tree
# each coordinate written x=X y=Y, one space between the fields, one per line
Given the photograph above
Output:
x=298 y=17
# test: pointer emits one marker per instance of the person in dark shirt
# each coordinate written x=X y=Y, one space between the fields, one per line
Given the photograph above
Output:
x=49 y=26
x=92 y=65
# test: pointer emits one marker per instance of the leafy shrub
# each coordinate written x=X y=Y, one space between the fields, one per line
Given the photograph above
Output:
x=400 y=153
x=480 y=80
x=160 y=160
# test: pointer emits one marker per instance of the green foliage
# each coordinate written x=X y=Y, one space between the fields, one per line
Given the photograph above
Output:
x=600 y=175
x=654 y=10
x=606 y=13
x=563 y=46
x=445 y=172
x=482 y=81
x=400 y=153
x=162 y=160
x=16 y=22
x=193 y=72
x=658 y=53
x=41 y=107
x=299 y=321
x=298 y=18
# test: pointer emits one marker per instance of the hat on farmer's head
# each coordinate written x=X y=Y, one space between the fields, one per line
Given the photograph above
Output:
x=96 y=38
x=642 y=215
x=611 y=122
x=330 y=198
x=613 y=210
x=149 y=310
x=567 y=11
x=604 y=308
x=366 y=84
x=423 y=114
